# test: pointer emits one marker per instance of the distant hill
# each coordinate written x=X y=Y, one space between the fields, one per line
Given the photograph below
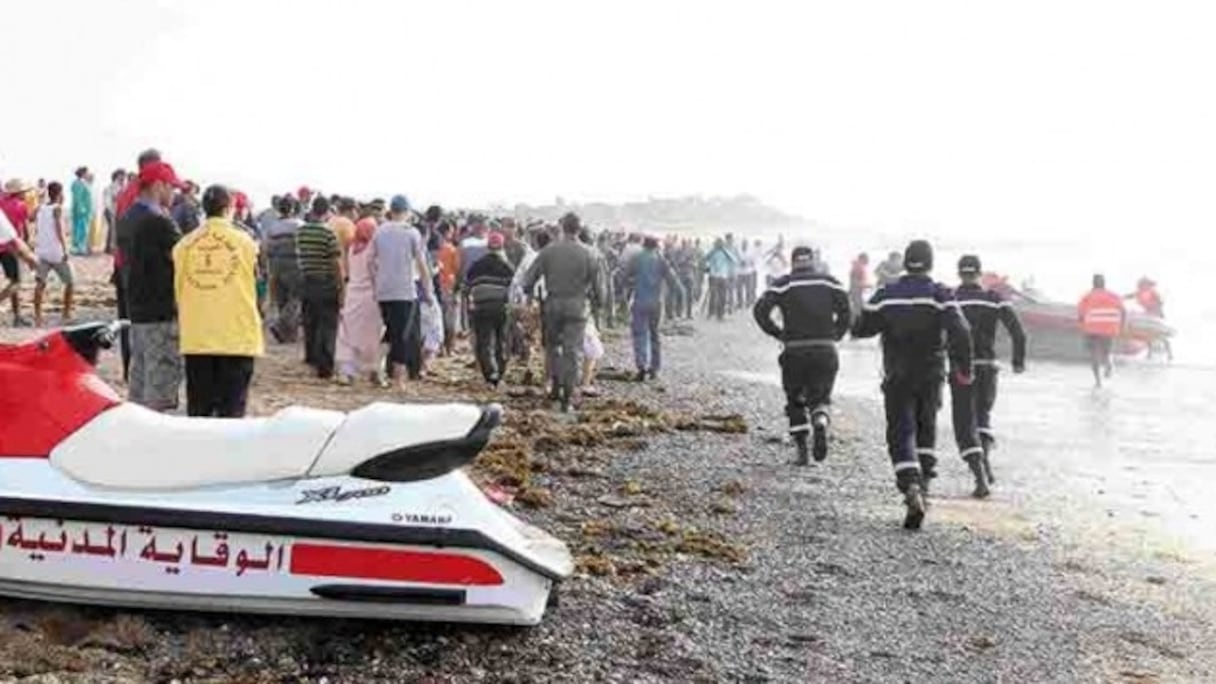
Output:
x=678 y=214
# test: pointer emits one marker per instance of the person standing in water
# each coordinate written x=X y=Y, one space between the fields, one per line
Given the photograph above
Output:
x=1103 y=319
x=815 y=316
x=1150 y=302
x=972 y=403
x=913 y=315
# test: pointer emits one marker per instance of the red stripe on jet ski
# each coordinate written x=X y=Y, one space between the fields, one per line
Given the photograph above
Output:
x=326 y=560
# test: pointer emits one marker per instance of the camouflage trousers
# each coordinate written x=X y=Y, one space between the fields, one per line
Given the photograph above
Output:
x=156 y=366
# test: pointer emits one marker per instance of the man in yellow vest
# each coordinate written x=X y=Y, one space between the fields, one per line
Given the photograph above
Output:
x=220 y=327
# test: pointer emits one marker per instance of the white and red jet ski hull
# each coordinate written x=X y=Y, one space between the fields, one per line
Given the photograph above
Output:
x=308 y=512
x=343 y=546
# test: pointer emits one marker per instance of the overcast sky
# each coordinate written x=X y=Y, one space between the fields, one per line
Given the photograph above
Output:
x=1045 y=117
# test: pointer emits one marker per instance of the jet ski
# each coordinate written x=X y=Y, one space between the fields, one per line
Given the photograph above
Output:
x=1054 y=332
x=307 y=512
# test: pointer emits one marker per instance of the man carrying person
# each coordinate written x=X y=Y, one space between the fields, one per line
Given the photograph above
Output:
x=1103 y=319
x=321 y=279
x=489 y=291
x=646 y=274
x=17 y=211
x=815 y=316
x=147 y=236
x=51 y=247
x=398 y=262
x=913 y=315
x=571 y=274
x=215 y=270
x=972 y=403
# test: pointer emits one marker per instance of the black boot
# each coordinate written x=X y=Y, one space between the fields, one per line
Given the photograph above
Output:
x=821 y=440
x=988 y=444
x=800 y=443
x=915 y=501
x=976 y=463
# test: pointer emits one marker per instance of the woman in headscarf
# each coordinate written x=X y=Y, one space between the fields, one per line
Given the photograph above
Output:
x=361 y=327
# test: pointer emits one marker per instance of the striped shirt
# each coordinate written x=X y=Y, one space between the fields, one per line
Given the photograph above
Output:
x=317 y=250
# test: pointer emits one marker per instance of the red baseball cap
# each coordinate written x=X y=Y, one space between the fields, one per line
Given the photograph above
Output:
x=159 y=172
x=496 y=240
x=303 y=192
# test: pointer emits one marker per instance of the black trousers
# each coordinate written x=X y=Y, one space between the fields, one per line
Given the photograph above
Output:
x=490 y=339
x=403 y=328
x=984 y=389
x=321 y=307
x=807 y=375
x=911 y=407
x=124 y=337
x=217 y=386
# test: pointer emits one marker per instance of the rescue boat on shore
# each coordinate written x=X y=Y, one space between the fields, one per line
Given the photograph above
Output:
x=1054 y=331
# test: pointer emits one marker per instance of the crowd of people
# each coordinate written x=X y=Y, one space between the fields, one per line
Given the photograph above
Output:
x=372 y=290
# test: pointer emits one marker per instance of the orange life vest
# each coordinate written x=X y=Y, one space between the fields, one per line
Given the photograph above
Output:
x=1101 y=313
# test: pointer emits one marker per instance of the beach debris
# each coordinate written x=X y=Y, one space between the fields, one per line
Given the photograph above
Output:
x=618 y=502
x=980 y=643
x=732 y=488
x=723 y=507
x=729 y=423
x=535 y=497
x=631 y=488
x=595 y=564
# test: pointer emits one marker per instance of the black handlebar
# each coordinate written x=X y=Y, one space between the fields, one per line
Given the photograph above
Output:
x=90 y=338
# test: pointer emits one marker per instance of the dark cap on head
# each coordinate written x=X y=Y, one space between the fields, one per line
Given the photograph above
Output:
x=918 y=257
x=802 y=256
x=969 y=265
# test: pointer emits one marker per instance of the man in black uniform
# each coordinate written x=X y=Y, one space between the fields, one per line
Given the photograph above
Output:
x=815 y=314
x=973 y=403
x=912 y=314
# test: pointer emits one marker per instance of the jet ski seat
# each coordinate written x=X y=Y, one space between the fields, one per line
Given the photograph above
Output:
x=131 y=447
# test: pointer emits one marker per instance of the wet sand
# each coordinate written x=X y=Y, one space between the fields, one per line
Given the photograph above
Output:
x=704 y=556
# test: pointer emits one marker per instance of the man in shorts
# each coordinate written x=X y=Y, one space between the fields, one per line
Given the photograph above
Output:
x=51 y=247
x=12 y=248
